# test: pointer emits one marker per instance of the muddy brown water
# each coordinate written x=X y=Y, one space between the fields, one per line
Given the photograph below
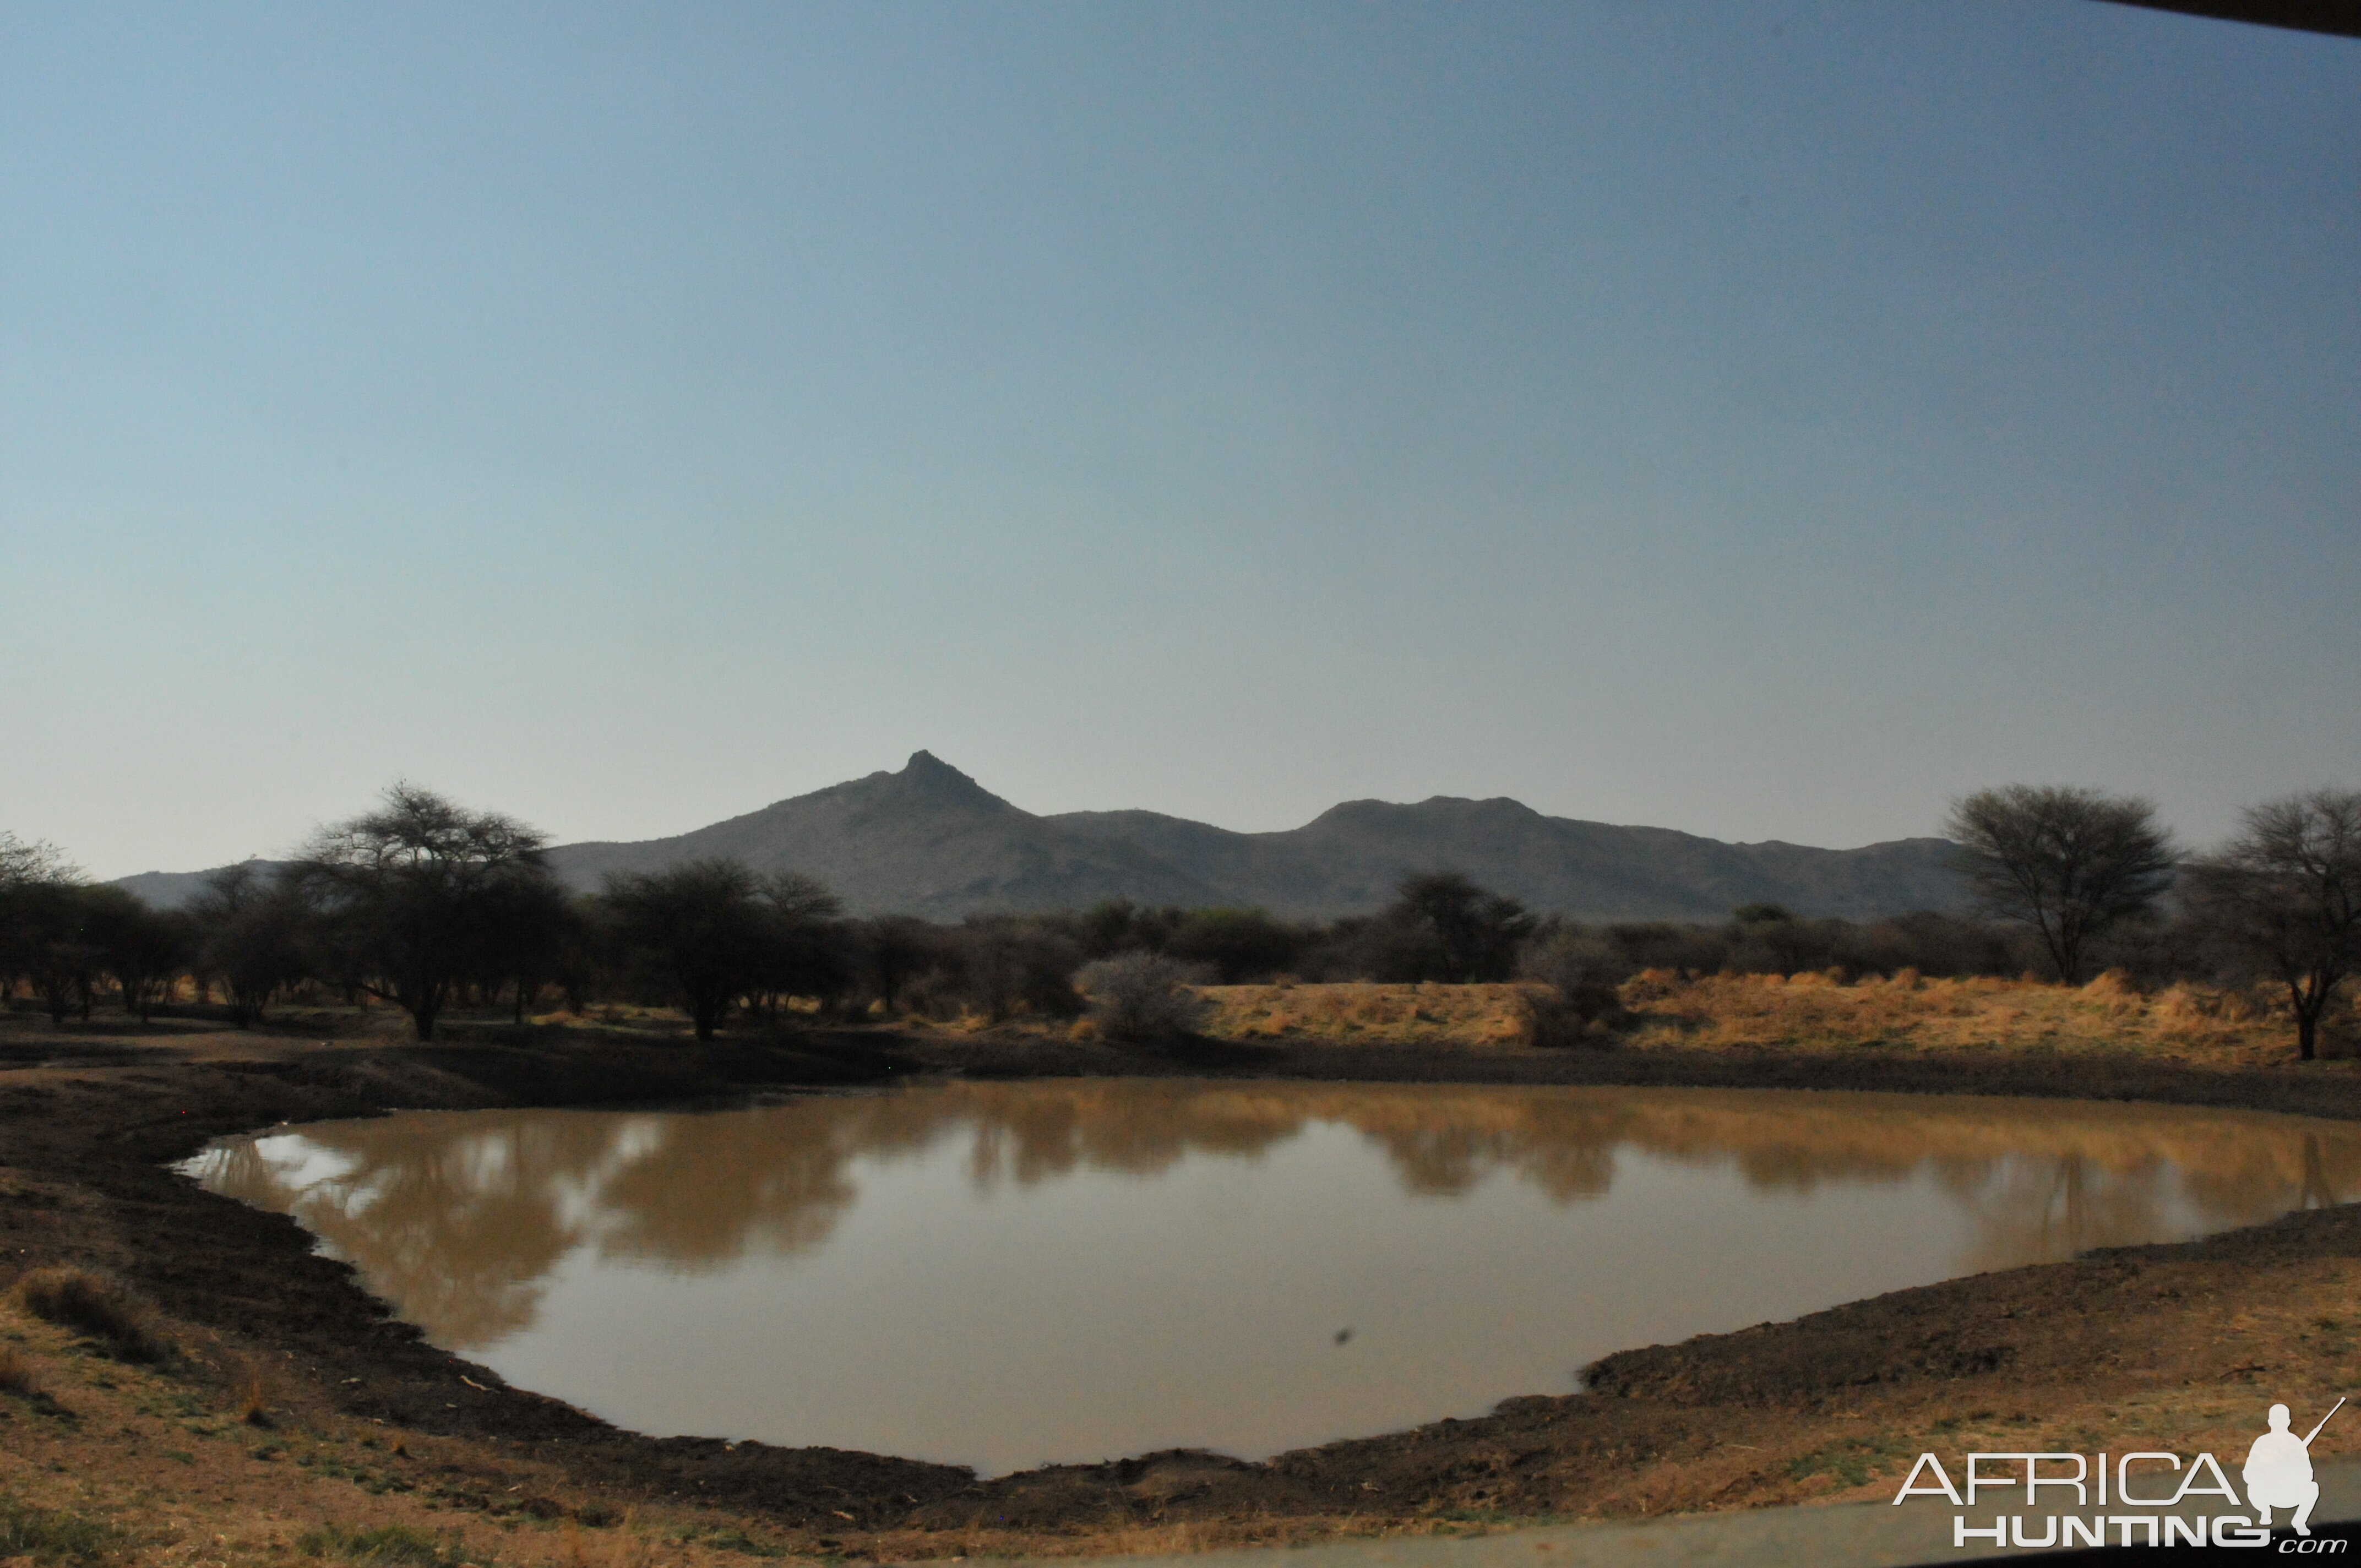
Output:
x=1008 y=1273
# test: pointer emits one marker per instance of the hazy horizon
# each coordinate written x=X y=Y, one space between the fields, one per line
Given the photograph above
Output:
x=1769 y=422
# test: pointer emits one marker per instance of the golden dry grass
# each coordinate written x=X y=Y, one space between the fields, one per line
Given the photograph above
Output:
x=1808 y=1012
x=253 y=1400
x=1908 y=1014
x=1368 y=1014
x=150 y=1463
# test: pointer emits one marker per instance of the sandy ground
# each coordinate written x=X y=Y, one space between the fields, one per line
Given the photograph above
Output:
x=294 y=1414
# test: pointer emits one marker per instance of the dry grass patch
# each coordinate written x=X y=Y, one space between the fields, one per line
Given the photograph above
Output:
x=1907 y=1013
x=1365 y=1014
x=253 y=1402
x=47 y=1536
x=98 y=1305
x=391 y=1545
x=17 y=1376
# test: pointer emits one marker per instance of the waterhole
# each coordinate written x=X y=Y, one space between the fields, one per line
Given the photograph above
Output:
x=1009 y=1274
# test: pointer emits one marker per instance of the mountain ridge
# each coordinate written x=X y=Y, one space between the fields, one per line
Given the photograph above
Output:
x=931 y=840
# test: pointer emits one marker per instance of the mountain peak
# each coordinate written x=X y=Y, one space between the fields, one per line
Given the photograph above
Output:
x=930 y=777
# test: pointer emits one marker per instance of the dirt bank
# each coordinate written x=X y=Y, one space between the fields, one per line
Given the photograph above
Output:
x=369 y=1426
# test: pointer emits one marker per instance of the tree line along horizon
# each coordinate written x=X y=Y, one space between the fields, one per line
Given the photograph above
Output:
x=428 y=906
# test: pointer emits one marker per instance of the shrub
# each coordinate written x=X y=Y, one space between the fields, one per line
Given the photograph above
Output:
x=1546 y=1019
x=1781 y=944
x=1118 y=925
x=935 y=993
x=1390 y=949
x=1141 y=996
x=1662 y=945
x=999 y=967
x=1240 y=944
x=100 y=1306
x=1936 y=946
x=1577 y=972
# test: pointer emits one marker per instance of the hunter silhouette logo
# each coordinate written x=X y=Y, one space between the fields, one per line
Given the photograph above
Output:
x=2278 y=1474
x=2278 y=1471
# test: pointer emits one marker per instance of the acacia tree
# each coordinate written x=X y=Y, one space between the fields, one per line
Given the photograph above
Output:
x=250 y=933
x=1475 y=934
x=411 y=896
x=2068 y=861
x=2284 y=899
x=807 y=951
x=1005 y=964
x=892 y=950
x=703 y=925
x=43 y=924
x=144 y=948
x=63 y=955
x=532 y=933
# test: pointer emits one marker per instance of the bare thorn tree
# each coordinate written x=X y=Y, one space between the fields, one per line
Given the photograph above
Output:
x=2284 y=899
x=43 y=924
x=39 y=863
x=2068 y=861
x=250 y=932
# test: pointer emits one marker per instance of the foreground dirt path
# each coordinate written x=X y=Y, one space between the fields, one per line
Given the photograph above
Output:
x=367 y=1427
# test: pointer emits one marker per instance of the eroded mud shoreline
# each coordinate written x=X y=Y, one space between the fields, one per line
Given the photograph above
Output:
x=2164 y=1340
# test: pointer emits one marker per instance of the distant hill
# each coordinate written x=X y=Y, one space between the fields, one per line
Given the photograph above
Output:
x=927 y=841
x=170 y=890
x=930 y=840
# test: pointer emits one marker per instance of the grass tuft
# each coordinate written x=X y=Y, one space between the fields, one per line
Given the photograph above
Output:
x=100 y=1306
x=49 y=1536
x=253 y=1403
x=728 y=1538
x=17 y=1374
x=390 y=1546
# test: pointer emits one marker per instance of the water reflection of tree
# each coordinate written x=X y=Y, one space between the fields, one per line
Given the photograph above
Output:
x=460 y=1232
x=1567 y=1156
x=460 y=1218
x=719 y=1187
x=2031 y=1210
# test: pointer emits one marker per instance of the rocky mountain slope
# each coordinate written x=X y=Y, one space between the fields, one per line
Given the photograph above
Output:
x=931 y=840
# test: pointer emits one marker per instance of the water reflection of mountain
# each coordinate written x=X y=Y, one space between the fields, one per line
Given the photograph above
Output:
x=460 y=1218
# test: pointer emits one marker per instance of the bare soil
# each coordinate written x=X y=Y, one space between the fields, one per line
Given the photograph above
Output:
x=296 y=1402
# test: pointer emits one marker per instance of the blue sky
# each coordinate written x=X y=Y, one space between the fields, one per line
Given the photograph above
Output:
x=1766 y=421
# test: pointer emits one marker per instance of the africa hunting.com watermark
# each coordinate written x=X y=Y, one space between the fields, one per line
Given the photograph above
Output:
x=2278 y=1474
